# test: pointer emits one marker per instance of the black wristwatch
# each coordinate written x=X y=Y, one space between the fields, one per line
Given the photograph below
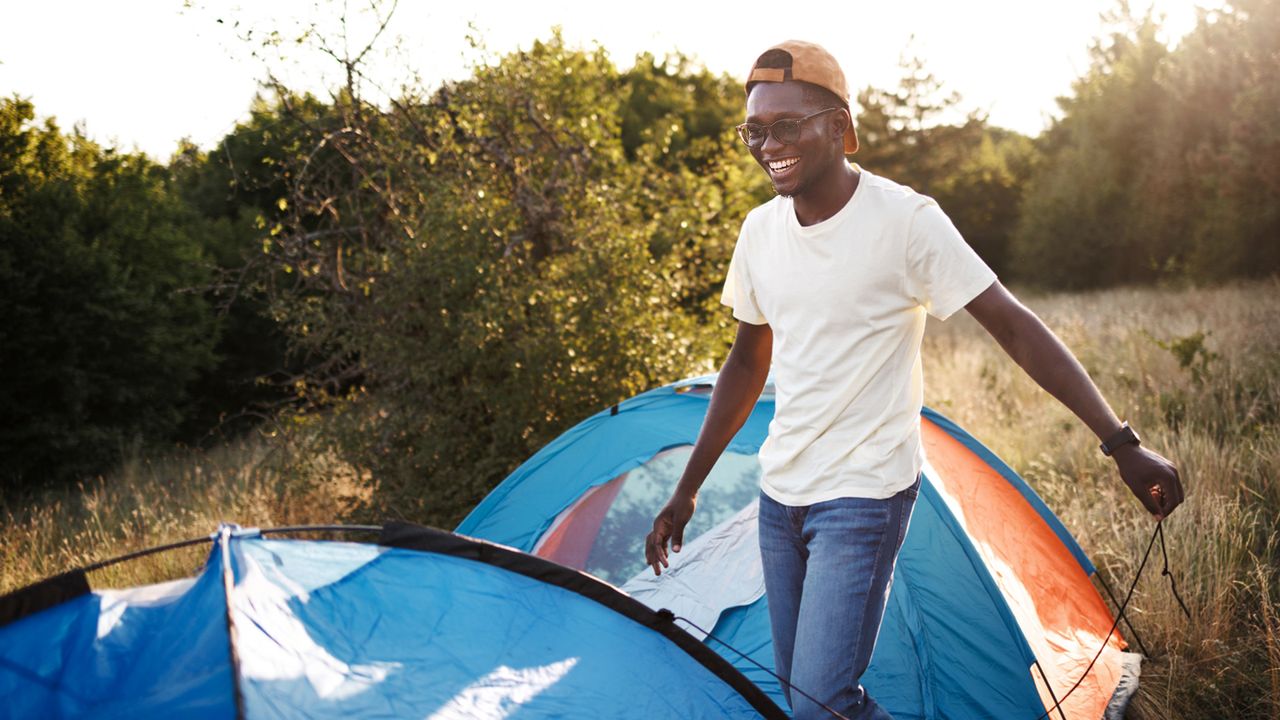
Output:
x=1123 y=436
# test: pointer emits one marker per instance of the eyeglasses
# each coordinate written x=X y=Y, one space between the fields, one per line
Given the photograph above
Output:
x=786 y=131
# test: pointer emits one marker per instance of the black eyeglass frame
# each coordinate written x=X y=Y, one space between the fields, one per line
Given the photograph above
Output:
x=778 y=129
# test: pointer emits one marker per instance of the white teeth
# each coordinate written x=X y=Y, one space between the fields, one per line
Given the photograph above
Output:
x=780 y=165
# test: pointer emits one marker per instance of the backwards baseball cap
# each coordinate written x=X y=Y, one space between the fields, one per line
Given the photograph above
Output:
x=805 y=62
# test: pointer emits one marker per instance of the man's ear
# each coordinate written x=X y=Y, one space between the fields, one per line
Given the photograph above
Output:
x=840 y=123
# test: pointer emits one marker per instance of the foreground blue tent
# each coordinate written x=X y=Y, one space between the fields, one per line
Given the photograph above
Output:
x=992 y=612
x=424 y=624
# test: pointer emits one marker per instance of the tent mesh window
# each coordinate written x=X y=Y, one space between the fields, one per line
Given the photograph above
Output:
x=606 y=546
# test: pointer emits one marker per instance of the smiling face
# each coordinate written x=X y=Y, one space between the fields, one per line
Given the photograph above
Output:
x=817 y=154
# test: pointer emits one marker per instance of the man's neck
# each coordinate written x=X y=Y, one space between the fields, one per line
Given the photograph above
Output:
x=825 y=197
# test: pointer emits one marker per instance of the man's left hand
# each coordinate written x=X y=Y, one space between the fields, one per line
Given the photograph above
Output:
x=1151 y=477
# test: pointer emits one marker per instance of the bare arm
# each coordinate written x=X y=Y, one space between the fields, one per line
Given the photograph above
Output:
x=1152 y=478
x=737 y=388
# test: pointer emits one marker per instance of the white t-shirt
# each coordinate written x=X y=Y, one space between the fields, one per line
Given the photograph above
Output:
x=846 y=300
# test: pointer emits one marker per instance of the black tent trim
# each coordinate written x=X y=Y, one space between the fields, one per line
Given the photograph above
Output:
x=416 y=537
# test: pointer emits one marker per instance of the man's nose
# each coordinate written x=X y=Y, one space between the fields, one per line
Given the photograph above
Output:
x=771 y=144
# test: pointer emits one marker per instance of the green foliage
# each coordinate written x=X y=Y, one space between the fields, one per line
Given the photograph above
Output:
x=1196 y=358
x=683 y=111
x=477 y=268
x=235 y=190
x=1076 y=228
x=100 y=287
x=1164 y=164
x=1222 y=146
x=1191 y=353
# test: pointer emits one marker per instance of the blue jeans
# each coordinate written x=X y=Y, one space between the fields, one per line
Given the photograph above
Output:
x=827 y=571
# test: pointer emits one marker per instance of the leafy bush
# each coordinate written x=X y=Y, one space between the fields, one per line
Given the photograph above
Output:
x=473 y=270
x=105 y=324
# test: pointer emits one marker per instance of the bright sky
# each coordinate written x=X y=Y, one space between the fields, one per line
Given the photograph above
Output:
x=144 y=73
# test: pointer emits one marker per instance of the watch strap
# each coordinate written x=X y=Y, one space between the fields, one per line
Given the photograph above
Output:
x=1123 y=436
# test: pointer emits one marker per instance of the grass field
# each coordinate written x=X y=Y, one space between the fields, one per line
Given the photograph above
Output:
x=1197 y=371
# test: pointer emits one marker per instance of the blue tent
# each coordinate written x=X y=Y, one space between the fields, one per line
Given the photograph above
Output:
x=425 y=624
x=992 y=612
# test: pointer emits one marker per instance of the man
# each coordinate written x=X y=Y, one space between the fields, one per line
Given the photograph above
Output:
x=830 y=282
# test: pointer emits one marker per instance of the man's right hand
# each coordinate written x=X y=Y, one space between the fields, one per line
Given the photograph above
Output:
x=1151 y=477
x=669 y=525
x=741 y=379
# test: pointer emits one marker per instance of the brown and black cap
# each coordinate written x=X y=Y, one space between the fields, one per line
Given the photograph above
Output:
x=805 y=62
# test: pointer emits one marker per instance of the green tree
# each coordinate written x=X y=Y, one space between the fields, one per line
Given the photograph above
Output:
x=683 y=111
x=1077 y=227
x=235 y=190
x=477 y=267
x=982 y=193
x=1164 y=164
x=677 y=120
x=101 y=290
x=1212 y=189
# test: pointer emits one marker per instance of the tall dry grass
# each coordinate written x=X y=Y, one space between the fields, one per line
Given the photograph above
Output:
x=1197 y=371
x=257 y=481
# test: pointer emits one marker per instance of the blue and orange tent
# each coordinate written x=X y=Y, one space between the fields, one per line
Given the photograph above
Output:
x=992 y=612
